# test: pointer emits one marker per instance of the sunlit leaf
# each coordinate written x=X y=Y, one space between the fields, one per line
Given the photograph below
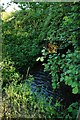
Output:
x=75 y=90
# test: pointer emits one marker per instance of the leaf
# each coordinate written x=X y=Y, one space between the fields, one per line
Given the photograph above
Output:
x=41 y=59
x=61 y=79
x=43 y=51
x=63 y=55
x=75 y=90
x=54 y=85
x=70 y=109
x=73 y=84
x=38 y=59
x=69 y=81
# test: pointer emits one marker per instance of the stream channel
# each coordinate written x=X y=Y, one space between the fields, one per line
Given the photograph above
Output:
x=42 y=85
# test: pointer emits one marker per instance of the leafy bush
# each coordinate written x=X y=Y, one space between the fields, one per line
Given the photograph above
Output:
x=64 y=69
x=20 y=43
x=9 y=73
x=31 y=29
x=62 y=52
x=71 y=112
x=21 y=102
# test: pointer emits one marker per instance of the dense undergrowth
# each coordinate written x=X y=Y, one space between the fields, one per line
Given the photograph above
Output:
x=48 y=32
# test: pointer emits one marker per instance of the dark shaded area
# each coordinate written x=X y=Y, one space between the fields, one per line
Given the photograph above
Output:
x=61 y=51
x=67 y=95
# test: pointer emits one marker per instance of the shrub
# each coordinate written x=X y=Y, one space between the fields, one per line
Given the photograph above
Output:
x=9 y=73
x=21 y=102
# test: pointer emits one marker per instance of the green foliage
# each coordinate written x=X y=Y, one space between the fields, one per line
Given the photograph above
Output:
x=9 y=73
x=64 y=64
x=21 y=102
x=71 y=71
x=71 y=112
x=20 y=42
x=64 y=69
x=25 y=37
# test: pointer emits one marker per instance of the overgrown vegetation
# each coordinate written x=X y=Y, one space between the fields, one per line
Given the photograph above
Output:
x=48 y=32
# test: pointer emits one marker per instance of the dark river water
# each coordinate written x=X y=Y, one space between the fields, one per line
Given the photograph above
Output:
x=43 y=86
